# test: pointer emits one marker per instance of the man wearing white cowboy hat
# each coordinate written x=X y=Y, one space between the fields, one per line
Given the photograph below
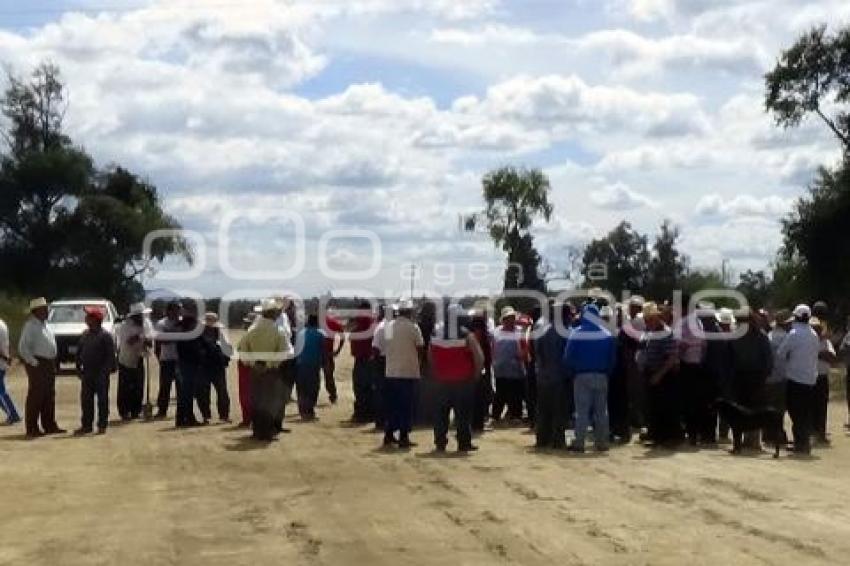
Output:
x=133 y=340
x=509 y=353
x=37 y=348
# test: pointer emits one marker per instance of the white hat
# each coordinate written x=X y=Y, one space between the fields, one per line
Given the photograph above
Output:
x=137 y=309
x=211 y=319
x=726 y=316
x=606 y=312
x=802 y=311
x=270 y=304
x=507 y=312
x=38 y=303
x=636 y=301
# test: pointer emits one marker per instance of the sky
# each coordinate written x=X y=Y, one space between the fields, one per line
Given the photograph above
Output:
x=316 y=145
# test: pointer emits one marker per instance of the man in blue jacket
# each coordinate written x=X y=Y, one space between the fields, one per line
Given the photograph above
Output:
x=590 y=356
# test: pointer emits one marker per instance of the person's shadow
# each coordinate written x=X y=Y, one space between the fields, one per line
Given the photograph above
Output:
x=249 y=444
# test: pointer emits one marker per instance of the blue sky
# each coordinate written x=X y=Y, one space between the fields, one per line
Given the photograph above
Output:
x=383 y=115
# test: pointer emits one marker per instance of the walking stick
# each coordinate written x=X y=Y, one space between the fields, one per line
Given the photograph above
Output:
x=147 y=409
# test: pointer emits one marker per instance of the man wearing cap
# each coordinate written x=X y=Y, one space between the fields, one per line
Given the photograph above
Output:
x=132 y=348
x=509 y=367
x=166 y=351
x=799 y=352
x=6 y=402
x=263 y=348
x=405 y=350
x=95 y=361
x=37 y=348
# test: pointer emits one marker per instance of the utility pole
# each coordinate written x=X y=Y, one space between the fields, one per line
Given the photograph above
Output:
x=412 y=278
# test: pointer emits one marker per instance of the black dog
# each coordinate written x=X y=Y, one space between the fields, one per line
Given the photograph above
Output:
x=743 y=419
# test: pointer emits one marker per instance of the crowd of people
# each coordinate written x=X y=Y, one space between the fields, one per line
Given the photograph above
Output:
x=619 y=370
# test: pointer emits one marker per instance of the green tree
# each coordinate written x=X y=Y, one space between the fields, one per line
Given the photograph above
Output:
x=813 y=77
x=618 y=262
x=810 y=77
x=667 y=266
x=515 y=198
x=66 y=227
x=756 y=287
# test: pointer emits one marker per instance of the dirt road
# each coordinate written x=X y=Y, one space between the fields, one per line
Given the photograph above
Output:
x=148 y=494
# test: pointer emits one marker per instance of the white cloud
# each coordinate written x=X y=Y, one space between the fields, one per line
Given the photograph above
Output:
x=744 y=205
x=564 y=105
x=620 y=196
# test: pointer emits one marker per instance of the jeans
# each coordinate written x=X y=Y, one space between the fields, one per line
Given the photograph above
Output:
x=820 y=407
x=307 y=381
x=6 y=402
x=361 y=381
x=187 y=376
x=400 y=399
x=510 y=392
x=800 y=400
x=483 y=398
x=131 y=382
x=330 y=382
x=379 y=369
x=551 y=413
x=591 y=398
x=458 y=397
x=167 y=376
x=213 y=377
x=91 y=387
x=698 y=394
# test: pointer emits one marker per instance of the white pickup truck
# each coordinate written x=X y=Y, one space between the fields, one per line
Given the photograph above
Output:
x=67 y=320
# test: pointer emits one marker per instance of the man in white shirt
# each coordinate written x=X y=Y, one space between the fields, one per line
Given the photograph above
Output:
x=405 y=348
x=37 y=348
x=6 y=402
x=799 y=354
x=133 y=340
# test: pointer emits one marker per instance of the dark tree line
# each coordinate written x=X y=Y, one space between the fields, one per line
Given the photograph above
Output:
x=67 y=227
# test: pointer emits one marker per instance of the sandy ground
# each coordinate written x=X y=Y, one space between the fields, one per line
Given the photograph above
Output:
x=148 y=494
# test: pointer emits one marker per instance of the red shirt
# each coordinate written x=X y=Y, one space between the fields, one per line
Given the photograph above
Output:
x=332 y=328
x=364 y=326
x=452 y=360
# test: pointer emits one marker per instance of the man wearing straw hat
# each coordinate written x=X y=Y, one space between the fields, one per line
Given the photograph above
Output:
x=37 y=348
x=263 y=348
